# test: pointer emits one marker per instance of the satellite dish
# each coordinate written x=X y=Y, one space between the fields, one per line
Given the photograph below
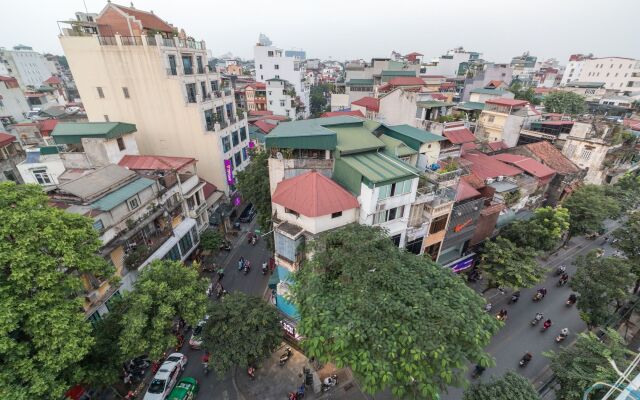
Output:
x=279 y=156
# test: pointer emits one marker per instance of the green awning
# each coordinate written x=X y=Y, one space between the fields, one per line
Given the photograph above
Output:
x=73 y=132
x=470 y=106
x=434 y=103
x=121 y=195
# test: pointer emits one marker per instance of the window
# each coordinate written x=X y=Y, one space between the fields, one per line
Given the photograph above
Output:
x=191 y=92
x=281 y=103
x=270 y=53
x=209 y=119
x=106 y=118
x=262 y=77
x=133 y=203
x=260 y=66
x=336 y=214
x=388 y=215
x=100 y=92
x=10 y=176
x=270 y=102
x=125 y=91
x=243 y=134
x=586 y=154
x=173 y=254
x=395 y=189
x=245 y=154
x=199 y=64
x=185 y=244
x=269 y=92
x=491 y=118
x=433 y=250
x=203 y=89
x=42 y=176
x=187 y=65
x=438 y=224
x=238 y=159
x=121 y=145
x=234 y=136
x=277 y=76
x=172 y=65
x=290 y=211
x=98 y=225
x=276 y=66
x=226 y=144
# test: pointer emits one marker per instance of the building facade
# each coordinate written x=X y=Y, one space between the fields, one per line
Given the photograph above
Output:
x=617 y=73
x=30 y=68
x=13 y=104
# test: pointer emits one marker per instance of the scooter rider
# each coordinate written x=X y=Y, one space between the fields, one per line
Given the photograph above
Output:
x=564 y=332
x=547 y=324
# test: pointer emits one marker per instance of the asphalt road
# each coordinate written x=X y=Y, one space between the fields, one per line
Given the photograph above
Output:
x=212 y=387
x=518 y=336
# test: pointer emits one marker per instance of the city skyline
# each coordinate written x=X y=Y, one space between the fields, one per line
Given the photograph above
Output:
x=481 y=27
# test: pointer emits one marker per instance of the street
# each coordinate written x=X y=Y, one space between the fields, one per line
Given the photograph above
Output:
x=254 y=283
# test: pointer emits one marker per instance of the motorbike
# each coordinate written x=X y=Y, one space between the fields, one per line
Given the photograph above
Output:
x=285 y=356
x=545 y=327
x=537 y=297
x=561 y=337
x=226 y=246
x=514 y=297
x=329 y=382
x=537 y=319
x=246 y=268
x=502 y=315
x=561 y=270
x=562 y=282
x=571 y=301
x=264 y=268
x=477 y=371
x=241 y=264
x=525 y=360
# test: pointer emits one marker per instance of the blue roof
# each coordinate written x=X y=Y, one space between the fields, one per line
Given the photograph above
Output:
x=121 y=195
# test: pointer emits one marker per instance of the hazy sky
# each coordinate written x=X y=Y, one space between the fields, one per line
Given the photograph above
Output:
x=350 y=29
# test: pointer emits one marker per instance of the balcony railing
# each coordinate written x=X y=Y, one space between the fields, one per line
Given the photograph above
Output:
x=168 y=42
x=223 y=124
x=232 y=120
x=191 y=99
x=190 y=44
x=200 y=70
x=107 y=40
x=131 y=40
x=440 y=177
x=151 y=41
x=218 y=94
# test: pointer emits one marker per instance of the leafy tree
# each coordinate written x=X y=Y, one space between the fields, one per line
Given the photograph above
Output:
x=528 y=94
x=510 y=386
x=626 y=190
x=242 y=329
x=253 y=183
x=397 y=320
x=542 y=232
x=509 y=265
x=164 y=291
x=579 y=366
x=44 y=251
x=136 y=257
x=588 y=207
x=564 y=103
x=600 y=281
x=319 y=98
x=629 y=243
x=211 y=240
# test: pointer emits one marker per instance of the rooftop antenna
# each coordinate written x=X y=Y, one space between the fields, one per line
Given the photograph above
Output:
x=86 y=10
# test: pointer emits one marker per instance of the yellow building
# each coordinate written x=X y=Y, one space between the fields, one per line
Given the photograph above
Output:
x=502 y=119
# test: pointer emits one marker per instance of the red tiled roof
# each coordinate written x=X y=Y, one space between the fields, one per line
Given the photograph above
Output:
x=459 y=136
x=406 y=81
x=465 y=191
x=468 y=146
x=208 y=189
x=260 y=112
x=53 y=80
x=474 y=181
x=355 y=113
x=526 y=164
x=312 y=195
x=495 y=83
x=447 y=85
x=439 y=96
x=632 y=123
x=486 y=167
x=552 y=157
x=370 y=103
x=414 y=54
x=257 y=85
x=148 y=20
x=152 y=163
x=558 y=122
x=499 y=145
x=501 y=101
x=264 y=126
x=47 y=125
x=5 y=139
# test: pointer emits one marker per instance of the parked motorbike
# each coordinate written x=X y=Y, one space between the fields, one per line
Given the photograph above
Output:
x=285 y=356
x=537 y=319
x=329 y=382
x=247 y=267
x=561 y=270
x=264 y=268
x=226 y=246
x=525 y=360
x=514 y=297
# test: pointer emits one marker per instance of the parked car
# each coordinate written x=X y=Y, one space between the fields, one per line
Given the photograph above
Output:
x=248 y=213
x=166 y=377
x=196 y=337
x=186 y=389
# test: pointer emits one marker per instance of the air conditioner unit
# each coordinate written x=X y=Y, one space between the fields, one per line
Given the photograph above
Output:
x=489 y=181
x=500 y=178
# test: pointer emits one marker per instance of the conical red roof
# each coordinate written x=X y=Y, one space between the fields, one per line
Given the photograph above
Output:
x=312 y=195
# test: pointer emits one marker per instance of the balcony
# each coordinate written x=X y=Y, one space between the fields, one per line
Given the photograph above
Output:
x=107 y=40
x=223 y=124
x=196 y=211
x=218 y=94
x=449 y=152
x=141 y=246
x=188 y=181
x=232 y=120
x=441 y=177
x=188 y=70
x=200 y=70
x=191 y=98
x=131 y=40
x=168 y=42
x=425 y=193
x=228 y=92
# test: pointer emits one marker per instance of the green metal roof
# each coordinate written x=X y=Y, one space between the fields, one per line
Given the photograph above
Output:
x=388 y=75
x=308 y=133
x=371 y=125
x=471 y=106
x=433 y=103
x=73 y=132
x=121 y=195
x=396 y=147
x=372 y=169
x=355 y=139
x=413 y=137
x=48 y=150
x=360 y=82
x=497 y=92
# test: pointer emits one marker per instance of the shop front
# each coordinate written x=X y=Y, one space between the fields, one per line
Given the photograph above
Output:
x=463 y=263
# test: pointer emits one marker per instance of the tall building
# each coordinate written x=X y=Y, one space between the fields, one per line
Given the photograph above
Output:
x=617 y=73
x=30 y=68
x=455 y=62
x=273 y=63
x=137 y=70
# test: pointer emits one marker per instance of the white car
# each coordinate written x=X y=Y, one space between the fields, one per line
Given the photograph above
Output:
x=196 y=337
x=166 y=377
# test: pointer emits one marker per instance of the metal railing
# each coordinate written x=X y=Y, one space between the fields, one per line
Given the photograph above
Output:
x=206 y=96
x=227 y=92
x=151 y=41
x=107 y=40
x=217 y=93
x=131 y=40
x=232 y=120
x=168 y=42
x=200 y=70
x=223 y=124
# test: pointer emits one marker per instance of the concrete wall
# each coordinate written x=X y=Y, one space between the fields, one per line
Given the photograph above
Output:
x=12 y=102
x=28 y=67
x=587 y=155
x=51 y=163
x=398 y=107
x=340 y=102
x=316 y=224
x=615 y=72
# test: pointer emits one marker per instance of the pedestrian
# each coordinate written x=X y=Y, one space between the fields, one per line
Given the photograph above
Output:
x=220 y=274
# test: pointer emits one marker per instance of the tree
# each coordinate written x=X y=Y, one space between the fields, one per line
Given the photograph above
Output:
x=319 y=98
x=542 y=232
x=601 y=281
x=527 y=94
x=626 y=190
x=164 y=292
x=579 y=366
x=44 y=252
x=253 y=183
x=588 y=207
x=397 y=320
x=628 y=242
x=508 y=265
x=211 y=240
x=242 y=330
x=510 y=386
x=564 y=103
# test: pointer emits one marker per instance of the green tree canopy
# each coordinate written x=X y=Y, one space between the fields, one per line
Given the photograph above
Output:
x=588 y=207
x=43 y=332
x=509 y=265
x=564 y=103
x=528 y=94
x=542 y=232
x=627 y=191
x=253 y=183
x=164 y=291
x=509 y=387
x=600 y=282
x=397 y=320
x=241 y=330
x=211 y=240
x=629 y=243
x=319 y=98
x=579 y=366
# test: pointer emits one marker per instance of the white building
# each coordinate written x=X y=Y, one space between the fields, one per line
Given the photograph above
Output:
x=574 y=68
x=30 y=68
x=13 y=104
x=617 y=73
x=272 y=63
x=448 y=64
x=281 y=99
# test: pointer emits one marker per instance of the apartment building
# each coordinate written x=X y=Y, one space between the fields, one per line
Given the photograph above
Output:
x=502 y=119
x=617 y=73
x=455 y=62
x=29 y=67
x=13 y=104
x=274 y=63
x=138 y=69
x=574 y=68
x=256 y=96
x=11 y=154
x=282 y=99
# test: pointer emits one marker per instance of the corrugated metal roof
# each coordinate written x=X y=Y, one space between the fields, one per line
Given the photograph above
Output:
x=396 y=147
x=153 y=163
x=379 y=169
x=308 y=133
x=355 y=139
x=417 y=134
x=360 y=82
x=434 y=103
x=497 y=92
x=470 y=106
x=121 y=195
x=73 y=132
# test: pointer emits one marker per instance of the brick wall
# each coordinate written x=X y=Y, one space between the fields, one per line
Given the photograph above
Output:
x=112 y=22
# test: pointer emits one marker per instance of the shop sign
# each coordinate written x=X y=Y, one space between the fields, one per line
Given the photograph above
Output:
x=462 y=264
x=228 y=167
x=290 y=329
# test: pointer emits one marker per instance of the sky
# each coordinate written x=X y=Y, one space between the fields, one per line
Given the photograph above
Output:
x=352 y=29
